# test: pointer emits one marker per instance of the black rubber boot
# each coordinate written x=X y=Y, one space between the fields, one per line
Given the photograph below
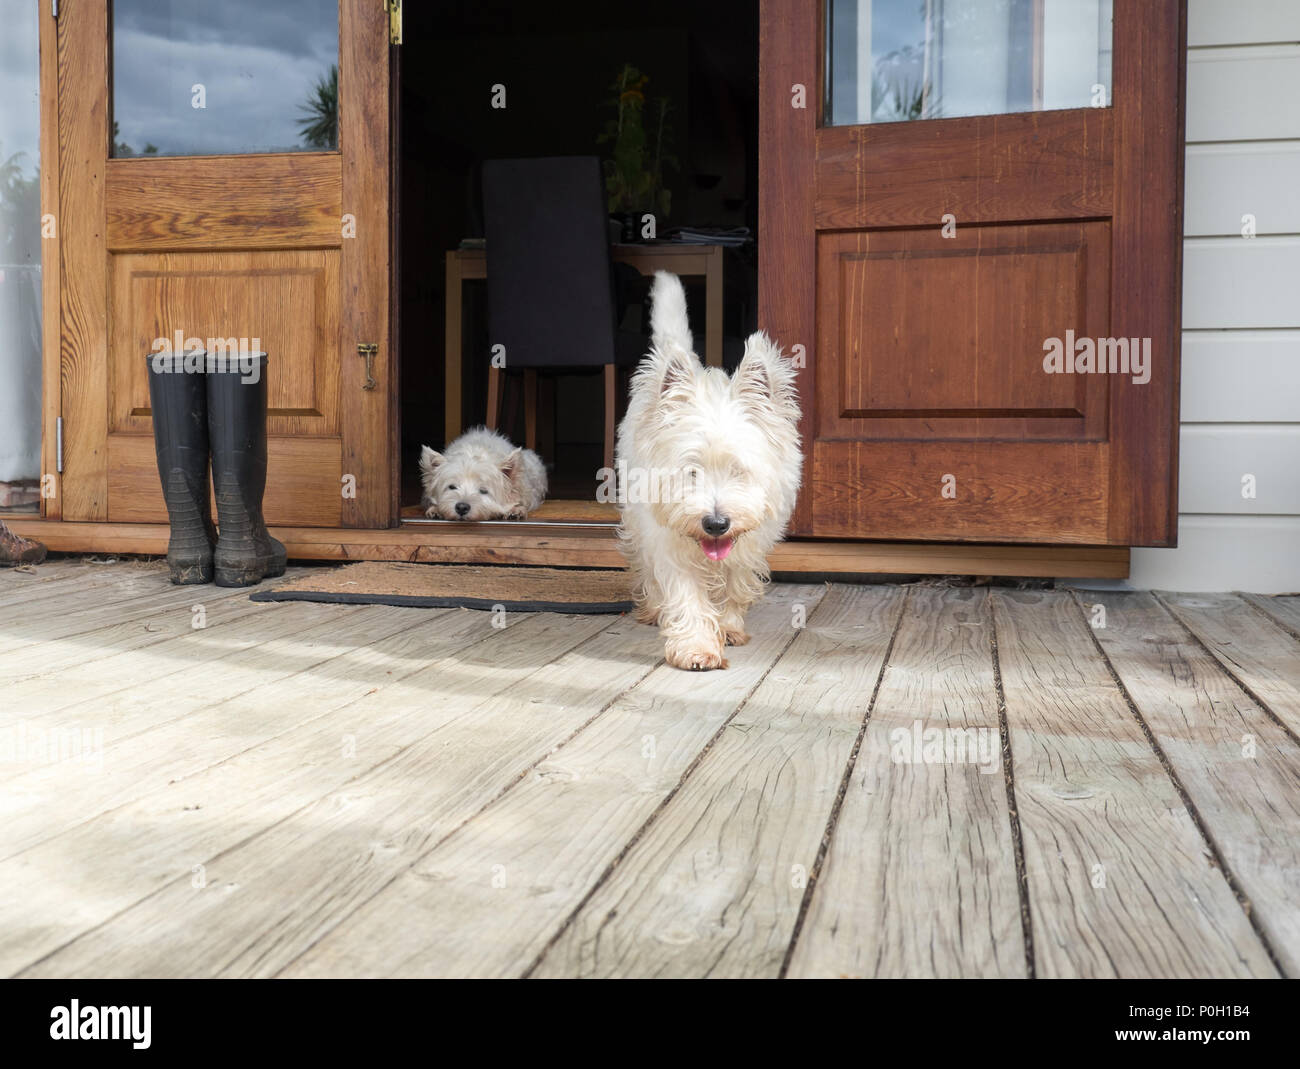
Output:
x=246 y=553
x=179 y=401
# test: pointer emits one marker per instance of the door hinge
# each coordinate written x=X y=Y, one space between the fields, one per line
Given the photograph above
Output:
x=58 y=445
x=54 y=8
x=394 y=9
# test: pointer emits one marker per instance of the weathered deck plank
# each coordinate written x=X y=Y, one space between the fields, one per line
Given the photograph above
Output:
x=152 y=738
x=920 y=878
x=714 y=886
x=200 y=816
x=1238 y=767
x=80 y=612
x=1283 y=608
x=52 y=675
x=273 y=895
x=379 y=791
x=1120 y=882
x=1252 y=649
x=488 y=900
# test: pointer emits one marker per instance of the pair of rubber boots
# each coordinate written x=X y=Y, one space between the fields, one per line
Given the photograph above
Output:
x=205 y=405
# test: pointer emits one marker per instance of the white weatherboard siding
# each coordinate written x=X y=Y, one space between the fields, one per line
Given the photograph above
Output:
x=1241 y=306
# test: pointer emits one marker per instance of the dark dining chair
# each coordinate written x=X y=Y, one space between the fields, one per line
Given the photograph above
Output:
x=551 y=291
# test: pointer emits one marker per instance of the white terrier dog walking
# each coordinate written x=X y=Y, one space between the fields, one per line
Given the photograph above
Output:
x=721 y=454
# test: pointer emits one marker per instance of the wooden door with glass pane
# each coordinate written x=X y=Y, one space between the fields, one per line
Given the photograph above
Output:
x=224 y=173
x=947 y=187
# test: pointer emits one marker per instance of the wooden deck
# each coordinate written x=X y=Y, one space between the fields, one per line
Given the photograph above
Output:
x=922 y=780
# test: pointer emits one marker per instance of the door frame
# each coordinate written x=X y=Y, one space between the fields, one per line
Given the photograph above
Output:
x=1149 y=60
x=78 y=315
x=526 y=543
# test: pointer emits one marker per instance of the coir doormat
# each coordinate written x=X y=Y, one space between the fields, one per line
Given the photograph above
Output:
x=442 y=586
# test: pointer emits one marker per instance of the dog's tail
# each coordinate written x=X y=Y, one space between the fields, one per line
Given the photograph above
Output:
x=669 y=325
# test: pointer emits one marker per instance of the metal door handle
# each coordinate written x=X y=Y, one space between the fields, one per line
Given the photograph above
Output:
x=368 y=350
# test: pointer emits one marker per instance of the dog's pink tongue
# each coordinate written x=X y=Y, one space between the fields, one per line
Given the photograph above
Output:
x=716 y=548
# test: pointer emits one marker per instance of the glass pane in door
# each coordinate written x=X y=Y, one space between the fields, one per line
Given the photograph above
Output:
x=203 y=78
x=898 y=60
x=20 y=260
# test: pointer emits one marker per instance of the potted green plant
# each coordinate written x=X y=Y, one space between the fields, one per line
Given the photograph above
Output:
x=640 y=137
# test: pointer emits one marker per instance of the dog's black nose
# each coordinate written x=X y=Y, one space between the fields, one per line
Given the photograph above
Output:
x=462 y=508
x=716 y=526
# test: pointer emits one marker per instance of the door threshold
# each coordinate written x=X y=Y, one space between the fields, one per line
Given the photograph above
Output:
x=596 y=546
x=508 y=524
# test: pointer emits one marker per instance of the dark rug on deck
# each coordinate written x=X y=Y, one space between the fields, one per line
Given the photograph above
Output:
x=441 y=586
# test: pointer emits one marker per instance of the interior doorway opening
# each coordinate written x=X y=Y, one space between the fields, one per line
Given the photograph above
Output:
x=519 y=80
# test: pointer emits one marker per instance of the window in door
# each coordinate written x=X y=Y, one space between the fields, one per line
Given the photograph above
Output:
x=20 y=263
x=196 y=78
x=898 y=60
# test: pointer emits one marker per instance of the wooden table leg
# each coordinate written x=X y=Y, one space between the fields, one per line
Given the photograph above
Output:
x=454 y=359
x=530 y=408
x=713 y=308
x=611 y=414
x=493 y=415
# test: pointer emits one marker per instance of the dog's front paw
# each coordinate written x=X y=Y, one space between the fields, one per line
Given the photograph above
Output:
x=695 y=657
x=517 y=513
x=736 y=636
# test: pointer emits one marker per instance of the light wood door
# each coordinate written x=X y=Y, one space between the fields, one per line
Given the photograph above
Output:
x=288 y=247
x=925 y=265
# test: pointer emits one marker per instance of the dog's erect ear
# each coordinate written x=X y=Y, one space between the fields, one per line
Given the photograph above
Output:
x=678 y=374
x=429 y=459
x=766 y=379
x=510 y=466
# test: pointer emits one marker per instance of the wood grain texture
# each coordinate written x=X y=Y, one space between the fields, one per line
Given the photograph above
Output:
x=139 y=749
x=923 y=824
x=240 y=246
x=975 y=372
x=595 y=547
x=1252 y=649
x=1238 y=767
x=107 y=699
x=283 y=303
x=302 y=481
x=83 y=286
x=1146 y=265
x=1119 y=880
x=1116 y=166
x=1284 y=609
x=1008 y=491
x=264 y=201
x=351 y=840
x=353 y=715
x=75 y=614
x=788 y=56
x=714 y=886
x=983 y=169
x=316 y=790
x=369 y=447
x=51 y=261
x=550 y=839
x=75 y=663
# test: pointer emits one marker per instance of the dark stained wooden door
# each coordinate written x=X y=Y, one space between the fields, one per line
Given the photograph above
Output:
x=924 y=266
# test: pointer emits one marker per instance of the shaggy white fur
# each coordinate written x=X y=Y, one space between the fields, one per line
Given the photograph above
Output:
x=482 y=476
x=721 y=456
